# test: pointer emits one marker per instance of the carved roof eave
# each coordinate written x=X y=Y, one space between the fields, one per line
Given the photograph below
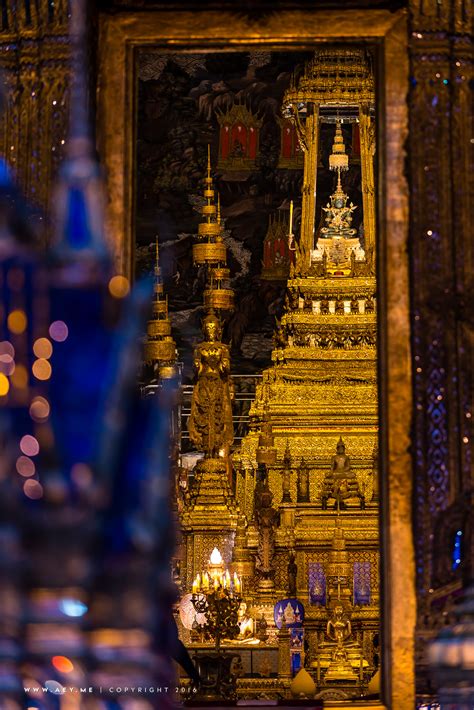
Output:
x=325 y=96
x=319 y=286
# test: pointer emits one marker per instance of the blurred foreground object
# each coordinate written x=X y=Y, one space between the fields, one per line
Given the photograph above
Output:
x=86 y=530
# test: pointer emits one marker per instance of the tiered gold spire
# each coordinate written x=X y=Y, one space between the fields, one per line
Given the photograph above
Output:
x=211 y=251
x=339 y=568
x=160 y=347
x=338 y=160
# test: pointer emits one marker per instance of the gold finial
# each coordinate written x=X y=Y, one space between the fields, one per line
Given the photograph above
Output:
x=160 y=348
x=209 y=179
x=291 y=236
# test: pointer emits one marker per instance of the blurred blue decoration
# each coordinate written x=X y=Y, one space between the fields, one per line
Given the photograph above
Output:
x=72 y=607
x=79 y=533
x=457 y=550
x=451 y=657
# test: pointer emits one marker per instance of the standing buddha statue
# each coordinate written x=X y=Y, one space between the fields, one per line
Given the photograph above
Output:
x=210 y=423
x=303 y=483
x=286 y=475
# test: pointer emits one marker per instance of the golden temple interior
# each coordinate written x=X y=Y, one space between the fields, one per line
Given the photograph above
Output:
x=296 y=533
x=379 y=332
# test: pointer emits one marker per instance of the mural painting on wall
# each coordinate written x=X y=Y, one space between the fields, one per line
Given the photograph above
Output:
x=232 y=102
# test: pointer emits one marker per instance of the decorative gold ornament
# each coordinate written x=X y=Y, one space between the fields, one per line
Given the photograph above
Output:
x=160 y=347
x=211 y=251
x=338 y=160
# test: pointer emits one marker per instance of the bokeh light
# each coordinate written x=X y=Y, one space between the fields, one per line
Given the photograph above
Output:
x=58 y=331
x=62 y=664
x=33 y=489
x=81 y=474
x=39 y=409
x=4 y=385
x=41 y=369
x=6 y=349
x=29 y=445
x=72 y=607
x=7 y=364
x=54 y=687
x=19 y=377
x=25 y=466
x=17 y=322
x=119 y=286
x=43 y=348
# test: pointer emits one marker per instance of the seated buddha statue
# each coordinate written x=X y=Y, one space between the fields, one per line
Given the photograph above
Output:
x=339 y=630
x=340 y=483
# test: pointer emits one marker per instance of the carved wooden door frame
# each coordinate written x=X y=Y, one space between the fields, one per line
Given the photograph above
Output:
x=120 y=35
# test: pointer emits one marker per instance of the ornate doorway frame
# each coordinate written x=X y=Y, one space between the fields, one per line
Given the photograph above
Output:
x=120 y=35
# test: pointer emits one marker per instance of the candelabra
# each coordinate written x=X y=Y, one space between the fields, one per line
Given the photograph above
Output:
x=217 y=595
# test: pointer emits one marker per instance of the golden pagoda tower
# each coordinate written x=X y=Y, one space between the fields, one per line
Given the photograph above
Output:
x=160 y=347
x=320 y=394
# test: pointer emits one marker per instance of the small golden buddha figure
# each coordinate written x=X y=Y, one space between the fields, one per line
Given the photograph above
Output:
x=210 y=422
x=341 y=482
x=303 y=483
x=339 y=628
x=245 y=622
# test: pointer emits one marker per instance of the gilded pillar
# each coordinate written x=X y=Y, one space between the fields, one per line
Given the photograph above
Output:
x=308 y=205
x=367 y=151
x=34 y=60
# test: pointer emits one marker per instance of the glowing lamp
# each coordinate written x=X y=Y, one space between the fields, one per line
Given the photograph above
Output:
x=216 y=557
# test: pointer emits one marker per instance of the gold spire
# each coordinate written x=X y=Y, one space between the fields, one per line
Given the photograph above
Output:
x=160 y=347
x=210 y=250
x=209 y=179
x=339 y=568
x=338 y=160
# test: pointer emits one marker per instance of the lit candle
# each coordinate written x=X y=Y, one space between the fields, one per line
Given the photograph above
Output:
x=195 y=586
x=291 y=218
x=198 y=582
x=205 y=581
x=227 y=578
x=216 y=584
x=237 y=585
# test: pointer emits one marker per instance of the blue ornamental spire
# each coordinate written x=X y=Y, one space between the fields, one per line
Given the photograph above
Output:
x=79 y=204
